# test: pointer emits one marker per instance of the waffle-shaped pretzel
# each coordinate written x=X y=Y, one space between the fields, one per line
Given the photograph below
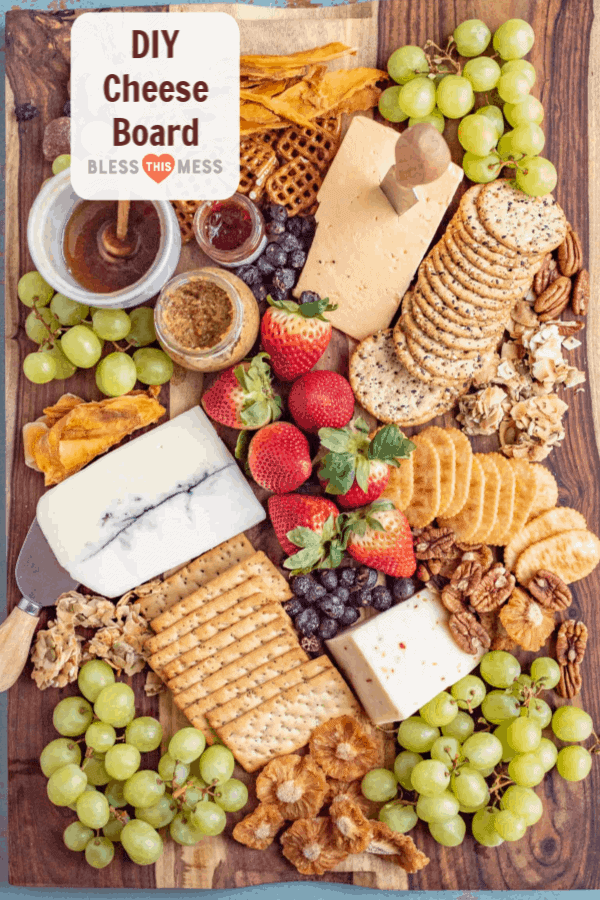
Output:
x=185 y=210
x=257 y=162
x=332 y=125
x=295 y=186
x=312 y=144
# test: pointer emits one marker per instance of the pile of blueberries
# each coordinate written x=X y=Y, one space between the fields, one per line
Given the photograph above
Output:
x=278 y=268
x=328 y=600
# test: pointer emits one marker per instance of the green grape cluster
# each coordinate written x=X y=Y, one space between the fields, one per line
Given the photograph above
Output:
x=432 y=85
x=72 y=336
x=479 y=749
x=190 y=793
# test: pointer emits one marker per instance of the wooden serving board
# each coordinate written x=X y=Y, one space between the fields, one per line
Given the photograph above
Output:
x=561 y=851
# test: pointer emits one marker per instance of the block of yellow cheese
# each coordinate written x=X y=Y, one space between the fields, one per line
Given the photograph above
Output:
x=364 y=255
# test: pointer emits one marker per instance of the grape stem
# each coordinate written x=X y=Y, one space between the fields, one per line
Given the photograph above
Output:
x=595 y=748
x=51 y=334
x=438 y=58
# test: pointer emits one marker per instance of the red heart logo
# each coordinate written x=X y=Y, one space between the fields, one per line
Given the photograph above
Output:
x=158 y=167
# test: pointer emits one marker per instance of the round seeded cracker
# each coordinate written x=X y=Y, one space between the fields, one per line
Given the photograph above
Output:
x=426 y=497
x=449 y=317
x=458 y=264
x=465 y=308
x=469 y=289
x=410 y=327
x=417 y=371
x=464 y=341
x=467 y=210
x=440 y=369
x=490 y=264
x=522 y=223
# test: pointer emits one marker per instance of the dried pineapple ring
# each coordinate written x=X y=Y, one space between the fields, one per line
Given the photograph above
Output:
x=398 y=848
x=343 y=749
x=258 y=830
x=295 y=784
x=309 y=845
x=353 y=831
x=526 y=622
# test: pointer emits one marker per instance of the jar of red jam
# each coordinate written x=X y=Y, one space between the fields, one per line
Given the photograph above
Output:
x=231 y=232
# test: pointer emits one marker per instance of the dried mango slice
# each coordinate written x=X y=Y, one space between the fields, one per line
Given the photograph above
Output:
x=267 y=66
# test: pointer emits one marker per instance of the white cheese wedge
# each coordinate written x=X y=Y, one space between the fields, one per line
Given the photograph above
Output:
x=398 y=660
x=153 y=504
x=364 y=256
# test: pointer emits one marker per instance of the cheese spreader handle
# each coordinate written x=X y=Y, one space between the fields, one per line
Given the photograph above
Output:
x=422 y=155
x=16 y=633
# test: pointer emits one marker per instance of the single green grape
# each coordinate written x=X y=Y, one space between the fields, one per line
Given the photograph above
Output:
x=57 y=753
x=216 y=763
x=574 y=763
x=116 y=374
x=469 y=787
x=93 y=676
x=528 y=139
x=209 y=818
x=99 y=852
x=72 y=716
x=455 y=97
x=172 y=770
x=153 y=366
x=482 y=828
x=546 y=753
x=93 y=766
x=523 y=802
x=111 y=324
x=447 y=750
x=482 y=169
x=88 y=787
x=76 y=836
x=494 y=113
x=33 y=290
x=441 y=710
x=407 y=63
x=415 y=734
x=41 y=325
x=81 y=346
x=505 y=147
x=434 y=118
x=40 y=367
x=524 y=734
x=472 y=37
x=513 y=88
x=64 y=368
x=183 y=831
x=498 y=706
x=499 y=668
x=440 y=808
x=61 y=163
x=540 y=711
x=92 y=809
x=160 y=813
x=66 y=784
x=571 y=724
x=430 y=777
x=450 y=833
x=113 y=828
x=468 y=692
x=526 y=770
x=478 y=135
x=231 y=796
x=513 y=39
x=417 y=97
x=145 y=733
x=379 y=785
x=114 y=794
x=144 y=788
x=483 y=73
x=461 y=727
x=522 y=67
x=115 y=705
x=141 y=842
x=142 y=331
x=403 y=766
x=100 y=737
x=388 y=105
x=501 y=733
x=529 y=110
x=122 y=761
x=67 y=311
x=546 y=670
x=188 y=744
x=463 y=808
x=482 y=750
x=399 y=818
x=536 y=176
x=509 y=826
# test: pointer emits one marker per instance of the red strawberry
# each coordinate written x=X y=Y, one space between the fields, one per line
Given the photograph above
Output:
x=303 y=517
x=357 y=467
x=381 y=538
x=279 y=457
x=242 y=397
x=320 y=399
x=295 y=335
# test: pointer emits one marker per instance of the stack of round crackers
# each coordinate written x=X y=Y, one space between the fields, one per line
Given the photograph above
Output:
x=457 y=312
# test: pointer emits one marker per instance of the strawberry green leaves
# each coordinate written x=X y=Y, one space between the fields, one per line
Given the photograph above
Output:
x=261 y=405
x=390 y=445
x=317 y=551
x=351 y=452
x=313 y=310
x=357 y=521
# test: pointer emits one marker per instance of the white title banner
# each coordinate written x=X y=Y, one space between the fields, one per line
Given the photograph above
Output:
x=155 y=106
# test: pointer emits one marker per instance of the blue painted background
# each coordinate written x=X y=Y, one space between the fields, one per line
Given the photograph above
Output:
x=296 y=891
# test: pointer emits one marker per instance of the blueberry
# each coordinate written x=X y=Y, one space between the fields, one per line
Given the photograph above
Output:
x=297 y=258
x=403 y=588
x=260 y=291
x=309 y=297
x=249 y=274
x=293 y=607
x=347 y=576
x=294 y=226
x=312 y=644
x=276 y=254
x=342 y=592
x=366 y=577
x=307 y=621
x=263 y=265
x=289 y=242
x=275 y=229
x=350 y=616
x=309 y=225
x=24 y=112
x=328 y=579
x=67 y=108
x=277 y=213
x=315 y=592
x=284 y=279
x=301 y=584
x=328 y=628
x=360 y=597
x=332 y=606
x=381 y=598
x=278 y=295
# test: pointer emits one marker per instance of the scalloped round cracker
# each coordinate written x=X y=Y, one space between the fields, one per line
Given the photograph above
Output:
x=553 y=521
x=546 y=490
x=400 y=486
x=446 y=450
x=441 y=334
x=425 y=501
x=571 y=555
x=491 y=498
x=524 y=494
x=434 y=345
x=518 y=221
x=506 y=501
x=462 y=470
x=466 y=523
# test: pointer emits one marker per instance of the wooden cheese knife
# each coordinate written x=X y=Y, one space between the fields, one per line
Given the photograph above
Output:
x=422 y=155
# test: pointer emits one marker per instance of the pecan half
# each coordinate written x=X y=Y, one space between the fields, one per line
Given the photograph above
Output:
x=580 y=298
x=434 y=543
x=480 y=553
x=453 y=599
x=493 y=590
x=550 y=590
x=570 y=254
x=566 y=329
x=466 y=577
x=570 y=682
x=571 y=642
x=468 y=633
x=554 y=299
x=545 y=275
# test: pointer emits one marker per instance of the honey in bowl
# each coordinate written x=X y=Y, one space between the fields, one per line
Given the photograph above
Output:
x=96 y=258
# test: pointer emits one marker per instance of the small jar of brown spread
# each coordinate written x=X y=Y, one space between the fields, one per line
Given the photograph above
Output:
x=231 y=232
x=206 y=319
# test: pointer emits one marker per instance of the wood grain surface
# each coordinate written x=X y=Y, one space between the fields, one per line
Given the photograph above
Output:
x=560 y=852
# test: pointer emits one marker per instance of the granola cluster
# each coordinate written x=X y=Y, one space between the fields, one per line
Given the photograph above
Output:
x=298 y=788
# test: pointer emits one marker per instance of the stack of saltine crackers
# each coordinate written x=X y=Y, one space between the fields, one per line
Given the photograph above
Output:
x=230 y=654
